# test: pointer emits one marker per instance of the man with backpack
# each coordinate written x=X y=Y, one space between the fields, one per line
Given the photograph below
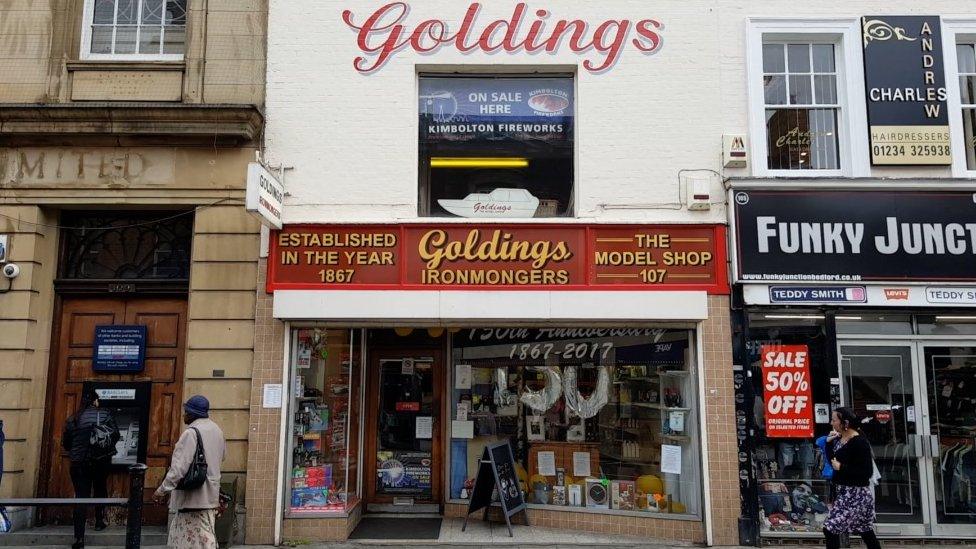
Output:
x=193 y=479
x=89 y=437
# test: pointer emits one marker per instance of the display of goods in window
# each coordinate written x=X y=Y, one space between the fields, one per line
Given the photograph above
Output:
x=498 y=203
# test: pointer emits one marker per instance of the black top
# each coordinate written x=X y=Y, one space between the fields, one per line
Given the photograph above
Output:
x=77 y=432
x=856 y=463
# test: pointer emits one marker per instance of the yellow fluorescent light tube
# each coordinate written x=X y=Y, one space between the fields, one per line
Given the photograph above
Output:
x=475 y=162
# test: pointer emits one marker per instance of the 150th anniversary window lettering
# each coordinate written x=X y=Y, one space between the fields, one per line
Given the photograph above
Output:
x=497 y=256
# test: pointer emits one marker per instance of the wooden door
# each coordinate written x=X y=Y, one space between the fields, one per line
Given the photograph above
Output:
x=165 y=319
x=403 y=387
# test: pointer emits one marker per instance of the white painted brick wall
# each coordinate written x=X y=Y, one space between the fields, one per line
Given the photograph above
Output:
x=352 y=138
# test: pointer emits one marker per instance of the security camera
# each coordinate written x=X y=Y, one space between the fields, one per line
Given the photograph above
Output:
x=11 y=270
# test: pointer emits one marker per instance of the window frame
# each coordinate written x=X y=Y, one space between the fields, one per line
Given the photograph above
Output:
x=957 y=30
x=85 y=53
x=481 y=71
x=844 y=34
x=699 y=441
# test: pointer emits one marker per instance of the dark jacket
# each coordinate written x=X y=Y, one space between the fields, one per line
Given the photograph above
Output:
x=856 y=462
x=77 y=432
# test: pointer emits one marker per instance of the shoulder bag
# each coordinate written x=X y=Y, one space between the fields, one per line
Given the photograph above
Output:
x=100 y=440
x=196 y=474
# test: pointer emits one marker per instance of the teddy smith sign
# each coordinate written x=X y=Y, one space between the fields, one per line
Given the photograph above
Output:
x=498 y=257
x=388 y=30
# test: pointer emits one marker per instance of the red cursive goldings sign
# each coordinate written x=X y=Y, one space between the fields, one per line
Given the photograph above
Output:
x=386 y=32
x=499 y=256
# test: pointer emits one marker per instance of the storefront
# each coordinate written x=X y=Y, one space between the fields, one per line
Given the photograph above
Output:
x=544 y=336
x=863 y=298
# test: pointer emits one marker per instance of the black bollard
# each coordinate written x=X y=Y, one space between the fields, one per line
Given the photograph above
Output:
x=133 y=524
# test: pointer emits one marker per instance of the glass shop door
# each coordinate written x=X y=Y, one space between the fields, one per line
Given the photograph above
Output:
x=403 y=428
x=878 y=382
x=950 y=441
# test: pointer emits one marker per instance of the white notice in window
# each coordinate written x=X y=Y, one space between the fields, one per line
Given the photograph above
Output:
x=462 y=376
x=581 y=464
x=671 y=459
x=462 y=429
x=425 y=427
x=547 y=463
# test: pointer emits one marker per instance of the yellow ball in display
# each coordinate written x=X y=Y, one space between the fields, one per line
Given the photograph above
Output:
x=650 y=484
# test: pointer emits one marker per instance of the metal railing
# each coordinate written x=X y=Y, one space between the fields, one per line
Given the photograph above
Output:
x=132 y=504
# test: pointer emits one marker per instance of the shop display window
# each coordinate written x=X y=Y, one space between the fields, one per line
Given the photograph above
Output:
x=325 y=408
x=496 y=146
x=867 y=323
x=947 y=324
x=793 y=494
x=605 y=419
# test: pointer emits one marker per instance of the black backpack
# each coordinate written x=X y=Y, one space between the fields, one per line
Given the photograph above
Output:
x=100 y=442
x=196 y=474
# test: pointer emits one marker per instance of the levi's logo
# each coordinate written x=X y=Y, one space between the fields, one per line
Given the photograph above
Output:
x=893 y=294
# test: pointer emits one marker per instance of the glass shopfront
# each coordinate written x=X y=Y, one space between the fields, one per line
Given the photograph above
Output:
x=604 y=419
x=912 y=381
x=600 y=419
x=323 y=472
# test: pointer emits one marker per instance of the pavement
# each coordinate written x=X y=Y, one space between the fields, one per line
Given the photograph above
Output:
x=477 y=535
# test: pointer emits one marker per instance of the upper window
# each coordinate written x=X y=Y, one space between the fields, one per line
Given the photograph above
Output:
x=496 y=147
x=966 y=58
x=134 y=29
x=801 y=106
x=127 y=246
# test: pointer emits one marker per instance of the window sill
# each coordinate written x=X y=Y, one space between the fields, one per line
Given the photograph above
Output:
x=129 y=123
x=595 y=511
x=346 y=513
x=124 y=65
x=797 y=174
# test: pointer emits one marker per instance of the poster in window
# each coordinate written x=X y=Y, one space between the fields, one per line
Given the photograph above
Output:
x=786 y=391
x=404 y=472
x=524 y=109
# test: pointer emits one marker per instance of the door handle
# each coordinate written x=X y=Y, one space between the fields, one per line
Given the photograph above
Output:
x=917 y=446
x=935 y=449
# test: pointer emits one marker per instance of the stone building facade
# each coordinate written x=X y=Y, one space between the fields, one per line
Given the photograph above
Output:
x=125 y=132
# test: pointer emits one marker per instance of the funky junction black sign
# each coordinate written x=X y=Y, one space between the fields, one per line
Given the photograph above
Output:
x=842 y=236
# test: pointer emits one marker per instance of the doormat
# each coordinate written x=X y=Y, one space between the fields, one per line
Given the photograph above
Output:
x=397 y=528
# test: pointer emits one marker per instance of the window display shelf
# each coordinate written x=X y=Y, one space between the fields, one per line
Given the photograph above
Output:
x=644 y=379
x=651 y=405
x=632 y=430
x=678 y=438
x=628 y=461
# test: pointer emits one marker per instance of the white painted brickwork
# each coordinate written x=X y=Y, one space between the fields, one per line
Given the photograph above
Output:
x=352 y=138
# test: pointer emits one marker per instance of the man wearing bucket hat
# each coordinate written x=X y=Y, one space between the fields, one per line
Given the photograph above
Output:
x=194 y=510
